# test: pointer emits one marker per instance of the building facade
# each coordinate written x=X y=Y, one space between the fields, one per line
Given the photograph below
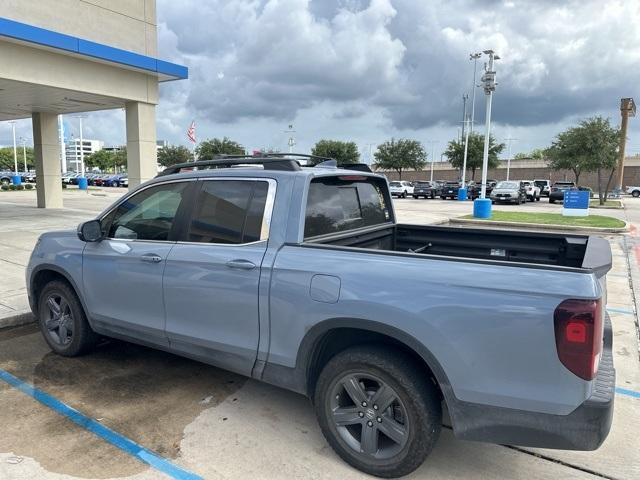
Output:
x=75 y=153
x=74 y=56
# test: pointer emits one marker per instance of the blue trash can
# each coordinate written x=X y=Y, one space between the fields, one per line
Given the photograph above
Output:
x=462 y=193
x=83 y=184
x=482 y=208
x=16 y=179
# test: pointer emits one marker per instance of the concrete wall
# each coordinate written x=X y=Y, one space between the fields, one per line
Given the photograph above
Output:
x=524 y=170
x=126 y=24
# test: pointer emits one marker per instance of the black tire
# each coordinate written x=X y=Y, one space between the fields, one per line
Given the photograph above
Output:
x=538 y=198
x=636 y=193
x=416 y=197
x=552 y=201
x=442 y=198
x=70 y=342
x=432 y=196
x=415 y=401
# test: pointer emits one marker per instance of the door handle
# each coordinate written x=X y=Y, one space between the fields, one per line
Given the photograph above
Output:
x=151 y=258
x=241 y=264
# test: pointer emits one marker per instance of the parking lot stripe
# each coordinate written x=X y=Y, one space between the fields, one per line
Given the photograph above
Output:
x=114 y=438
x=631 y=393
x=628 y=311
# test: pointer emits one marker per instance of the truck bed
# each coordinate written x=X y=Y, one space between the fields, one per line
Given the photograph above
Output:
x=576 y=251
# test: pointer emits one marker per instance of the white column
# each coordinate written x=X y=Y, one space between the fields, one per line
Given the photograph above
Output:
x=47 y=160
x=142 y=164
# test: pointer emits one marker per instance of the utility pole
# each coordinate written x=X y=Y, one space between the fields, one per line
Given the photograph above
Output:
x=627 y=109
x=509 y=140
x=292 y=141
x=489 y=80
x=15 y=149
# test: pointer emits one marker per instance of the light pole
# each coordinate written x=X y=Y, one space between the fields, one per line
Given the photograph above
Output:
x=63 y=153
x=292 y=141
x=509 y=140
x=482 y=206
x=469 y=129
x=432 y=143
x=15 y=148
x=24 y=152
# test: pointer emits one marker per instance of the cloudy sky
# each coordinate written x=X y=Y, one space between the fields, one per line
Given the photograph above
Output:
x=367 y=70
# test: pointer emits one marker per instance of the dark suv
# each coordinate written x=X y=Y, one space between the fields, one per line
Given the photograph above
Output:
x=558 y=189
x=424 y=189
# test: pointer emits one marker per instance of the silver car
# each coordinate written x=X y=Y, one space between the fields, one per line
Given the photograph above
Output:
x=509 y=191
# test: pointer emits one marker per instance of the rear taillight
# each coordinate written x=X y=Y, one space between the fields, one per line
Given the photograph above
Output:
x=578 y=328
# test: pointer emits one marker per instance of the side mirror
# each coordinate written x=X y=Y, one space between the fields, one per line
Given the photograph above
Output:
x=90 y=231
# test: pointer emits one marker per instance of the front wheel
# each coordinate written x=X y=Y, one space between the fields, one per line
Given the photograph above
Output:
x=62 y=320
x=377 y=410
x=636 y=193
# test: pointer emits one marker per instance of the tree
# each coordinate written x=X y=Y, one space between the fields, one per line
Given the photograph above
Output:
x=592 y=146
x=535 y=154
x=6 y=158
x=215 y=146
x=172 y=154
x=106 y=160
x=342 y=152
x=399 y=155
x=455 y=153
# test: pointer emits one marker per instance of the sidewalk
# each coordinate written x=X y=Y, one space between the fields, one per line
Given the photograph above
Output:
x=21 y=223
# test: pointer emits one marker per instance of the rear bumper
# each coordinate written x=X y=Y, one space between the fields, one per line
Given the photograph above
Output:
x=583 y=429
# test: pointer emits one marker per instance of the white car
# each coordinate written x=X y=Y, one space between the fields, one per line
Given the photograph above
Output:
x=635 y=191
x=533 y=191
x=401 y=189
x=544 y=185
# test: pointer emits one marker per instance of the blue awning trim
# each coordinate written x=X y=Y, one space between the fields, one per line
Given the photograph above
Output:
x=48 y=38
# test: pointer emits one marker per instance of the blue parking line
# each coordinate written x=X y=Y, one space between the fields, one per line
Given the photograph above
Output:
x=114 y=438
x=620 y=310
x=624 y=391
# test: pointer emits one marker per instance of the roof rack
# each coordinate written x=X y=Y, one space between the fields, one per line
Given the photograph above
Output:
x=227 y=161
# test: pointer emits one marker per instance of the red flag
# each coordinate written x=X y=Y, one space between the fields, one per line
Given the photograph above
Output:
x=191 y=133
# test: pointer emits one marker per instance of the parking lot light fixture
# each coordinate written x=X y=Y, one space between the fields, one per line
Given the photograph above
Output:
x=482 y=206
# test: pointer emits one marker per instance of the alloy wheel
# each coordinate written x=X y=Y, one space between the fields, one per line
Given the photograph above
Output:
x=59 y=319
x=369 y=415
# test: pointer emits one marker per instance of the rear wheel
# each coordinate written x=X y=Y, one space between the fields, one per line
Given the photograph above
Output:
x=377 y=411
x=552 y=200
x=62 y=320
x=636 y=193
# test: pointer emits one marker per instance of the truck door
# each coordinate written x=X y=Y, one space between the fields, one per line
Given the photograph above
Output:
x=212 y=276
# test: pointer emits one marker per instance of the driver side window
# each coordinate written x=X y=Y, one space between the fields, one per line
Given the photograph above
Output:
x=147 y=215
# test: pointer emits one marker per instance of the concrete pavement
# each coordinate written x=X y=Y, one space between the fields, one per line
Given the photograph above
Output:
x=219 y=425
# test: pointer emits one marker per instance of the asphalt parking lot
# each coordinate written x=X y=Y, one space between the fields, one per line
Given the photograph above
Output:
x=203 y=422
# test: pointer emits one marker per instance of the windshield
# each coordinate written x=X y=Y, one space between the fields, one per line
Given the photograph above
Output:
x=395 y=184
x=507 y=185
x=540 y=183
x=563 y=186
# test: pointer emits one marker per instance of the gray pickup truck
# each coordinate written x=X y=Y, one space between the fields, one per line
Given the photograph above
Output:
x=302 y=278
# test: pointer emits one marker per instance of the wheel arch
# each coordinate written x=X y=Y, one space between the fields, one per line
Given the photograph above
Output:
x=331 y=336
x=45 y=273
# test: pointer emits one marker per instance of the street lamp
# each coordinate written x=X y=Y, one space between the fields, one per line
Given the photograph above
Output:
x=482 y=206
x=462 y=193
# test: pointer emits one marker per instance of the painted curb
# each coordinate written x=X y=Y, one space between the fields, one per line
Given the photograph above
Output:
x=540 y=226
x=17 y=319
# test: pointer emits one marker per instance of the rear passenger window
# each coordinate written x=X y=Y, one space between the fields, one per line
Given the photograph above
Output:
x=229 y=211
x=337 y=204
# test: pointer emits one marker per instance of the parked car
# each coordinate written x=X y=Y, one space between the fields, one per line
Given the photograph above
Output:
x=302 y=278
x=124 y=181
x=635 y=191
x=544 y=186
x=474 y=189
x=424 y=189
x=509 y=191
x=558 y=189
x=449 y=190
x=5 y=177
x=401 y=189
x=533 y=191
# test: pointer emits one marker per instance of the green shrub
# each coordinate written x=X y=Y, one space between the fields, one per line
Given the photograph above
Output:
x=20 y=187
x=64 y=185
x=28 y=186
x=12 y=187
x=5 y=187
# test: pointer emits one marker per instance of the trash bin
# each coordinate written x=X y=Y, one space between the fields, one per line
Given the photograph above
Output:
x=462 y=193
x=16 y=179
x=83 y=184
x=482 y=208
